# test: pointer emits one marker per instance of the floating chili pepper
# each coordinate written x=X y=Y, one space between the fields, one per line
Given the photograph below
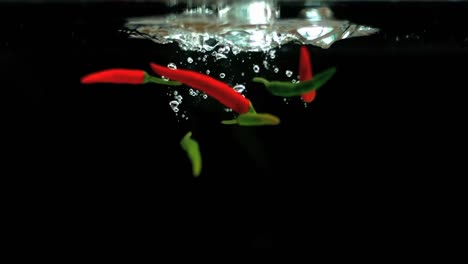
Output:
x=305 y=73
x=214 y=88
x=287 y=89
x=124 y=76
x=193 y=152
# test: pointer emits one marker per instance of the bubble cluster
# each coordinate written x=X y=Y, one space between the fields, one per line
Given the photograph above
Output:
x=193 y=92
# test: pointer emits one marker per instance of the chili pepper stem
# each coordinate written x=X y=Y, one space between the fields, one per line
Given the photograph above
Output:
x=187 y=136
x=251 y=108
x=153 y=79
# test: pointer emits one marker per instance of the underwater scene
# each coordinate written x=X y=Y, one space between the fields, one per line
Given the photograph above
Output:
x=249 y=124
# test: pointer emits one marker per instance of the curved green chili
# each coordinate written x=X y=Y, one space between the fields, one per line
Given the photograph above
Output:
x=253 y=119
x=192 y=149
x=287 y=89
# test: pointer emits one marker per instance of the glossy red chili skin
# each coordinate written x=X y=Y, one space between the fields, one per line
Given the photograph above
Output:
x=305 y=73
x=212 y=87
x=117 y=76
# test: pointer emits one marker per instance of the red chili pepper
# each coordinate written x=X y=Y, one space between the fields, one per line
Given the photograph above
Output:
x=305 y=73
x=214 y=88
x=121 y=76
x=124 y=76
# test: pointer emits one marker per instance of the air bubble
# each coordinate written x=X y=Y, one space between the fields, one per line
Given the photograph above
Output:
x=189 y=60
x=236 y=50
x=256 y=68
x=222 y=75
x=225 y=50
x=172 y=66
x=174 y=106
x=289 y=73
x=208 y=47
x=220 y=56
x=239 y=88
x=272 y=54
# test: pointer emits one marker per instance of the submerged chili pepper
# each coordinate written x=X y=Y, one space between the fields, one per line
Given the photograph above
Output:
x=253 y=119
x=305 y=73
x=193 y=152
x=287 y=89
x=124 y=76
x=214 y=88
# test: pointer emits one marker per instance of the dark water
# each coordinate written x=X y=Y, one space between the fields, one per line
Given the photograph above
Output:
x=103 y=165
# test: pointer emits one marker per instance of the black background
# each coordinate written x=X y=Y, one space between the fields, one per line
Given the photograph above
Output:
x=101 y=165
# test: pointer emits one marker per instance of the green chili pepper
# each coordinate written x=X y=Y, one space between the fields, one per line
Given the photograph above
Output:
x=253 y=119
x=287 y=89
x=193 y=152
